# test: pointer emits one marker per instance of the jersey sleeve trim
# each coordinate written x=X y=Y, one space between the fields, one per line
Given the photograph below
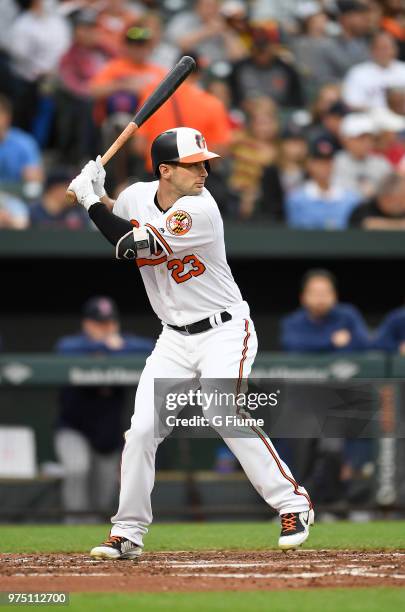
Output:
x=160 y=238
x=141 y=261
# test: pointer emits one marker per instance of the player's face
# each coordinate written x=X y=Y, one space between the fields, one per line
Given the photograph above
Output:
x=319 y=296
x=188 y=179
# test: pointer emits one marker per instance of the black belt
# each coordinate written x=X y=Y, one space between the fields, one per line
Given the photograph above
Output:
x=204 y=325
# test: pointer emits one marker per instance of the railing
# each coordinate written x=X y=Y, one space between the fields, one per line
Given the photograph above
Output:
x=242 y=240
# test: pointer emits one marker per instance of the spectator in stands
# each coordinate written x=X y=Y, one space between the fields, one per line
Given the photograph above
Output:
x=356 y=167
x=52 y=210
x=328 y=124
x=38 y=38
x=285 y=175
x=309 y=46
x=389 y=142
x=394 y=23
x=252 y=149
x=89 y=428
x=390 y=335
x=164 y=53
x=322 y=323
x=13 y=212
x=366 y=84
x=189 y=105
x=327 y=95
x=350 y=47
x=265 y=73
x=9 y=11
x=319 y=204
x=386 y=211
x=82 y=61
x=114 y=19
x=205 y=31
x=20 y=159
x=120 y=83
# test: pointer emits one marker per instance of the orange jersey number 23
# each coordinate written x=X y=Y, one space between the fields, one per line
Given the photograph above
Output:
x=177 y=267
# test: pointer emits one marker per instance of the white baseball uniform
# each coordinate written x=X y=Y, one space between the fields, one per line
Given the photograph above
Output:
x=187 y=281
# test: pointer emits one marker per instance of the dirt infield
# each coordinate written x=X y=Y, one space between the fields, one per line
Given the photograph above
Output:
x=202 y=571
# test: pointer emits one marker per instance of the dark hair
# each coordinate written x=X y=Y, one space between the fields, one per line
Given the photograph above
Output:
x=318 y=273
x=5 y=104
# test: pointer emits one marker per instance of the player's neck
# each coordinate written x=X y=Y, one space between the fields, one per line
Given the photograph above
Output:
x=166 y=197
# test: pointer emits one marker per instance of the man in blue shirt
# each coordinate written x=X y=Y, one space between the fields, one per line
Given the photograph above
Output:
x=390 y=336
x=322 y=323
x=20 y=158
x=319 y=204
x=89 y=428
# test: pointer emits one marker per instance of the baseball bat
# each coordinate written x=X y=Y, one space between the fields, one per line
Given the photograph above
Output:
x=163 y=91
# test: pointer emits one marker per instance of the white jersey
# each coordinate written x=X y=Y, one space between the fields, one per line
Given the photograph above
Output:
x=189 y=279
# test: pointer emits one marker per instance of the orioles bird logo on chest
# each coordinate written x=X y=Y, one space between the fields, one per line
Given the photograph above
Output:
x=179 y=223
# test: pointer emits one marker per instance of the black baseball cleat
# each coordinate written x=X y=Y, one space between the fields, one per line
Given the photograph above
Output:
x=295 y=529
x=116 y=547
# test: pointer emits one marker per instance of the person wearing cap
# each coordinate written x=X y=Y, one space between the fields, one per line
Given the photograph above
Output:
x=385 y=211
x=329 y=122
x=172 y=229
x=389 y=130
x=365 y=85
x=356 y=167
x=119 y=85
x=52 y=210
x=89 y=426
x=350 y=46
x=320 y=204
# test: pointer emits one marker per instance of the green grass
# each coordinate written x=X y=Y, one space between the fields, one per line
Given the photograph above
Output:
x=324 y=600
x=203 y=536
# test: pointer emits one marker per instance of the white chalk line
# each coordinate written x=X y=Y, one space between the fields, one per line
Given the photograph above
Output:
x=358 y=572
x=63 y=575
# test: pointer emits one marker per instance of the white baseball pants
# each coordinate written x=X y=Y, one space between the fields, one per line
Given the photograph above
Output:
x=227 y=352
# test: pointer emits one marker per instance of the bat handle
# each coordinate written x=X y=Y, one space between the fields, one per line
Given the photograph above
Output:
x=116 y=145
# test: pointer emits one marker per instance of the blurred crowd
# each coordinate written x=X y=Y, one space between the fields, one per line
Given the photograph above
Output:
x=304 y=100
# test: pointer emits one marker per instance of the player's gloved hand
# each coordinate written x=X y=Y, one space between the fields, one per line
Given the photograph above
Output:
x=83 y=188
x=95 y=170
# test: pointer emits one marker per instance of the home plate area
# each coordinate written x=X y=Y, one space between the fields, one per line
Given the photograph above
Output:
x=203 y=571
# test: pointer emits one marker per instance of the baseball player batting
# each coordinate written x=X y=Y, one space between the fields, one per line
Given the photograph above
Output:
x=172 y=227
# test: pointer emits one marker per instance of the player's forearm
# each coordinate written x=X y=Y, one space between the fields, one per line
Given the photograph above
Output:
x=112 y=227
x=129 y=242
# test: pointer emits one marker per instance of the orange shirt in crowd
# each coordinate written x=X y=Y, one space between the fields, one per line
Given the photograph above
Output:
x=189 y=106
x=123 y=68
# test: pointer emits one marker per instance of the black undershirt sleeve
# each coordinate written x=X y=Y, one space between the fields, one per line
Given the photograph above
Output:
x=111 y=226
